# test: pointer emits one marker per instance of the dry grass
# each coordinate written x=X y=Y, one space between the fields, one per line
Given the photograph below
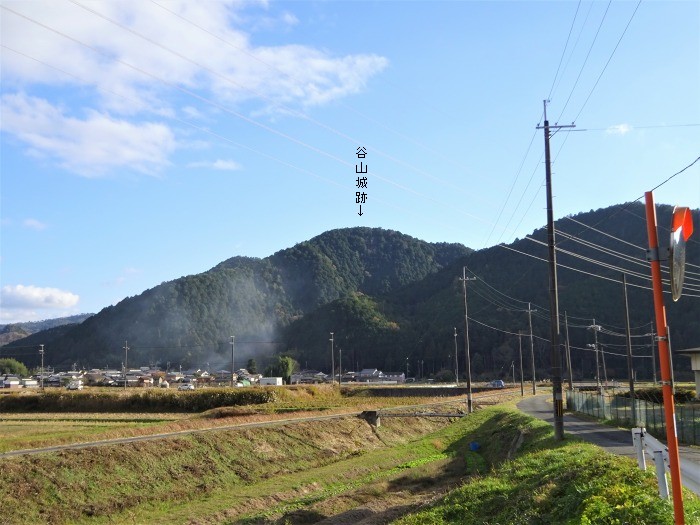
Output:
x=23 y=431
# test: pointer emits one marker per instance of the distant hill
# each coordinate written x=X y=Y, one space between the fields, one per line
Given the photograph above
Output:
x=189 y=321
x=16 y=331
x=393 y=302
x=413 y=327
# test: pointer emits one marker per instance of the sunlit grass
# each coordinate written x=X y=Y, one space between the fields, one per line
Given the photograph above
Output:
x=27 y=430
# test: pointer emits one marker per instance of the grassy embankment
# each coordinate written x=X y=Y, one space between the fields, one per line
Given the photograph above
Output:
x=59 y=417
x=306 y=472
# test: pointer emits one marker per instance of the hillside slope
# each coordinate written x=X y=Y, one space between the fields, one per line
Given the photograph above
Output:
x=189 y=321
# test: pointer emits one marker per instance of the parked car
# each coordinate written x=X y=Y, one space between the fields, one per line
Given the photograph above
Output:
x=186 y=386
x=496 y=383
x=75 y=385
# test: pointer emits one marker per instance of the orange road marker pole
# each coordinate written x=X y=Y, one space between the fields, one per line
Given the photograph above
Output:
x=664 y=360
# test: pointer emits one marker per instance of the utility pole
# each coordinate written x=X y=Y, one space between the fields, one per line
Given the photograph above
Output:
x=630 y=371
x=464 y=280
x=233 y=341
x=568 y=352
x=595 y=329
x=126 y=361
x=41 y=351
x=555 y=352
x=520 y=353
x=532 y=349
x=340 y=366
x=456 y=361
x=332 y=361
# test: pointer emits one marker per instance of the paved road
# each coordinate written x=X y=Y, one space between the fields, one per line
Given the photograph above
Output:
x=611 y=439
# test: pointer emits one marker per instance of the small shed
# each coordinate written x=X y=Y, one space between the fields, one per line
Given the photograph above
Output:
x=694 y=354
x=274 y=381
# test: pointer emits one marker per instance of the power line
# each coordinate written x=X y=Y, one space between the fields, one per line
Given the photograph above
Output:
x=299 y=82
x=566 y=45
x=239 y=115
x=605 y=233
x=609 y=59
x=606 y=265
x=575 y=46
x=675 y=174
x=583 y=271
x=585 y=60
x=297 y=113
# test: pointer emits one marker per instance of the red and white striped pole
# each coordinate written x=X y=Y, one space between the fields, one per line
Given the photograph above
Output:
x=664 y=361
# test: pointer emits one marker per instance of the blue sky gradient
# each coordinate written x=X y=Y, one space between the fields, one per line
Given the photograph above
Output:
x=146 y=140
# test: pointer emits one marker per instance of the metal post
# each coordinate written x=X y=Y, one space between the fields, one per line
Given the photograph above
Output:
x=332 y=361
x=664 y=359
x=630 y=370
x=670 y=358
x=126 y=361
x=520 y=353
x=653 y=353
x=41 y=377
x=340 y=366
x=456 y=360
x=605 y=368
x=532 y=349
x=595 y=329
x=233 y=339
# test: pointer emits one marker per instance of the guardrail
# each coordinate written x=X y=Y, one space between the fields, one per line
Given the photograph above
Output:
x=645 y=442
x=641 y=413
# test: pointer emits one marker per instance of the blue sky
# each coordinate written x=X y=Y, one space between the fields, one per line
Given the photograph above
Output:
x=147 y=140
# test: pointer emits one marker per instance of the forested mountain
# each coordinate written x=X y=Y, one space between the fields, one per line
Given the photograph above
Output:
x=189 y=321
x=393 y=302
x=15 y=331
x=413 y=327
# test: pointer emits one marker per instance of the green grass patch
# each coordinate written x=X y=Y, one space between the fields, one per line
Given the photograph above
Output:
x=568 y=483
x=309 y=471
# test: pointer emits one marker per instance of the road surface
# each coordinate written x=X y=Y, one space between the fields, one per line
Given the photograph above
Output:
x=612 y=439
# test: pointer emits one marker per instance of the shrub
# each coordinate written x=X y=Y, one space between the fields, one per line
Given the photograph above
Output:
x=146 y=400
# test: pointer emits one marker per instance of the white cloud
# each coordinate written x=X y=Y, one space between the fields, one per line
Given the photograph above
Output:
x=217 y=60
x=34 y=224
x=30 y=297
x=87 y=146
x=619 y=129
x=193 y=112
x=289 y=19
x=219 y=164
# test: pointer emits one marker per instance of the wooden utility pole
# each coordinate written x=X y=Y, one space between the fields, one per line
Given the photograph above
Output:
x=630 y=370
x=532 y=349
x=464 y=280
x=555 y=351
x=233 y=341
x=333 y=361
x=568 y=352
x=520 y=352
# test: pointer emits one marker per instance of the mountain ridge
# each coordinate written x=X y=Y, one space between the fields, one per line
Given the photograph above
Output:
x=393 y=302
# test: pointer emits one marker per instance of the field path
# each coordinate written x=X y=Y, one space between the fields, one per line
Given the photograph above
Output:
x=166 y=435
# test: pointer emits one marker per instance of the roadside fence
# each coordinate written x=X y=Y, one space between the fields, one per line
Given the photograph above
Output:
x=628 y=412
